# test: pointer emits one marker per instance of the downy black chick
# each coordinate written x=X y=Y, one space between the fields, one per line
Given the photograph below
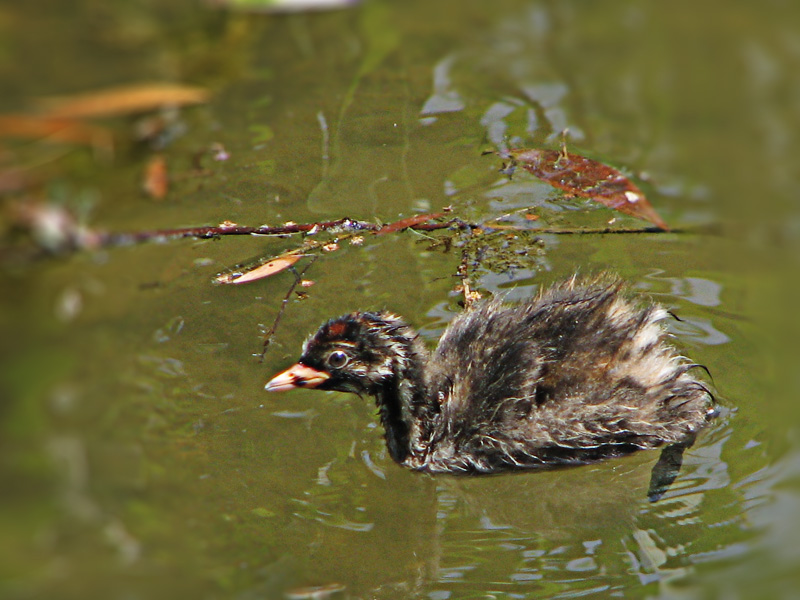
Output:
x=576 y=374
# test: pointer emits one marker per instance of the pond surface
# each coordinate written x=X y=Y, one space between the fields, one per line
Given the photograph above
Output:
x=141 y=457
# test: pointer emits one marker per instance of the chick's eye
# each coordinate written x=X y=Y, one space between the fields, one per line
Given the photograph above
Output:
x=337 y=359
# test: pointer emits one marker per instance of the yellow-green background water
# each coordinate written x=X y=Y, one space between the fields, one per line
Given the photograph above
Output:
x=139 y=455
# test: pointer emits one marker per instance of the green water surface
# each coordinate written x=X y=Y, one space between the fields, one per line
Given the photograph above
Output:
x=140 y=456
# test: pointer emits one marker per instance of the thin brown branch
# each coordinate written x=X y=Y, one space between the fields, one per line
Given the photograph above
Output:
x=463 y=273
x=408 y=223
x=344 y=225
x=227 y=228
x=584 y=230
x=269 y=335
x=77 y=237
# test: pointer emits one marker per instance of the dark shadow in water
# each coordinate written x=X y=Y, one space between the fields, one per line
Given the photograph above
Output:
x=666 y=470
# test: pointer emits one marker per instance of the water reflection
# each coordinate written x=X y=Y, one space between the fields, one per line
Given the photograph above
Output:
x=538 y=528
x=560 y=530
x=445 y=98
x=697 y=290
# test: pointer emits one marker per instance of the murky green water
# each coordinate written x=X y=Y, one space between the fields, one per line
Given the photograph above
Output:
x=140 y=456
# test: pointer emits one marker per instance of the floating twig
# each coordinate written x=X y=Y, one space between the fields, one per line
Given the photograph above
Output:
x=298 y=278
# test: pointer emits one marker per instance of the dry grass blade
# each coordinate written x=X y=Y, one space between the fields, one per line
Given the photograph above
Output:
x=123 y=100
x=61 y=130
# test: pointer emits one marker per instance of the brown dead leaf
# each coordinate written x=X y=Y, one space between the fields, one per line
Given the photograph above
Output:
x=581 y=176
x=259 y=271
x=124 y=100
x=156 y=178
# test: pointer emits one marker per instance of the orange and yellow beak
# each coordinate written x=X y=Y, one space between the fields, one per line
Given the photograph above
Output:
x=296 y=376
